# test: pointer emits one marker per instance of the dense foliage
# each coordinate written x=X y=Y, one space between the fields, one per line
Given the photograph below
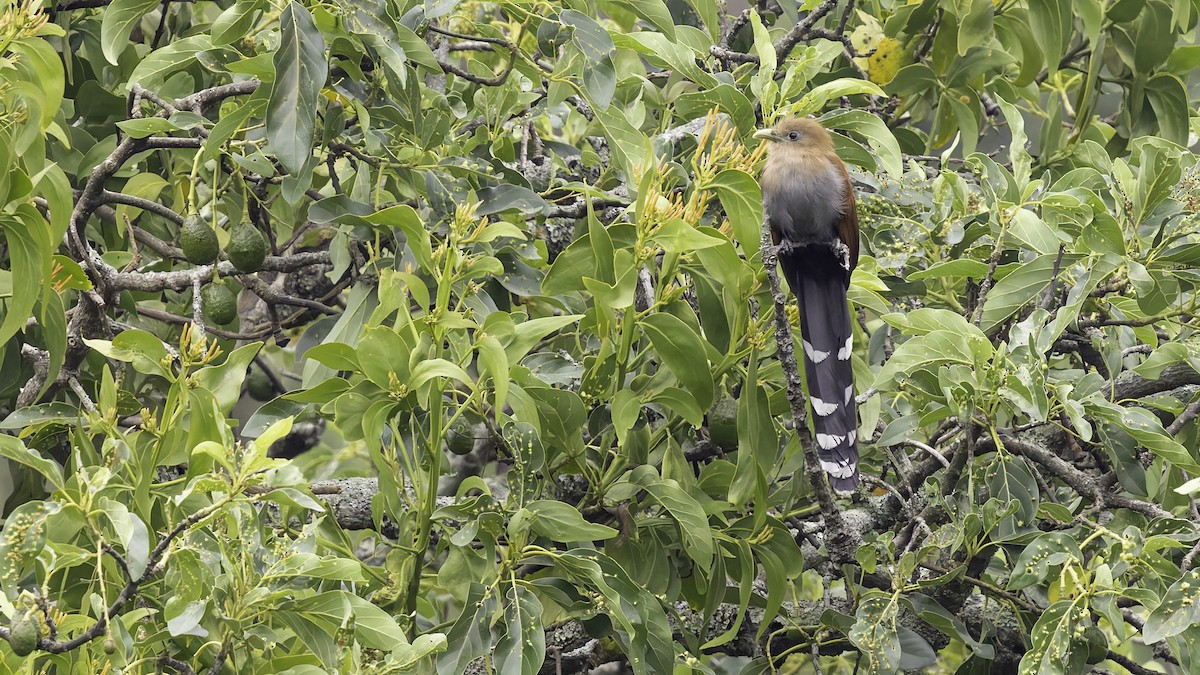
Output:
x=527 y=399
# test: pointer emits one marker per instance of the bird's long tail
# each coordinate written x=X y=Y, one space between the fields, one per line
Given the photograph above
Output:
x=819 y=280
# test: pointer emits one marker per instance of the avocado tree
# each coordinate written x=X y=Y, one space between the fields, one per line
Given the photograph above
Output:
x=443 y=336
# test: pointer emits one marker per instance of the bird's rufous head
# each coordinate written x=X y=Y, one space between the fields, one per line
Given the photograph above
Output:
x=797 y=133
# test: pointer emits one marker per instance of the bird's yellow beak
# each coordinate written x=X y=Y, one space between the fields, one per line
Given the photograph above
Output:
x=767 y=134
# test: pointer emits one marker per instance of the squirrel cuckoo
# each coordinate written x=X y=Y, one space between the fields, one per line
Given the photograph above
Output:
x=809 y=203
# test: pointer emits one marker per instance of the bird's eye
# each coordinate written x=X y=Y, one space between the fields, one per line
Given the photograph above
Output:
x=794 y=136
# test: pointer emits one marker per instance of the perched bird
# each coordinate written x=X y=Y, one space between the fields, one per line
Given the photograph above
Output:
x=809 y=202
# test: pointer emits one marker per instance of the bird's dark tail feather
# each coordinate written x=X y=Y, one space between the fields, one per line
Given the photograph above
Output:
x=819 y=280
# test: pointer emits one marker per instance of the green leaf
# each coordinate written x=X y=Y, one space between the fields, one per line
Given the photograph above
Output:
x=872 y=128
x=682 y=403
x=29 y=251
x=1179 y=609
x=593 y=40
x=693 y=523
x=300 y=72
x=493 y=362
x=373 y=626
x=653 y=11
x=683 y=352
x=915 y=78
x=423 y=646
x=741 y=197
x=469 y=637
x=1020 y=287
x=1158 y=174
x=521 y=650
x=383 y=355
x=21 y=542
x=235 y=22
x=707 y=11
x=630 y=147
x=431 y=368
x=233 y=121
x=1146 y=428
x=1051 y=21
x=1048 y=550
x=626 y=408
x=1053 y=650
x=275 y=432
x=563 y=523
x=758 y=443
x=526 y=335
x=658 y=48
x=335 y=355
x=724 y=97
x=741 y=559
x=409 y=222
x=1035 y=233
x=118 y=21
x=642 y=629
x=676 y=236
x=939 y=348
x=146 y=352
x=131 y=531
x=505 y=197
x=940 y=618
x=154 y=69
x=762 y=84
x=1008 y=478
x=13 y=449
x=814 y=101
x=875 y=632
x=953 y=269
x=315 y=639
x=1169 y=99
x=41 y=64
x=975 y=25
x=225 y=380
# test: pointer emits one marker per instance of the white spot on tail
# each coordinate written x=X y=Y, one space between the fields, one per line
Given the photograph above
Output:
x=844 y=352
x=814 y=355
x=838 y=469
x=843 y=253
x=853 y=436
x=829 y=441
x=849 y=393
x=822 y=408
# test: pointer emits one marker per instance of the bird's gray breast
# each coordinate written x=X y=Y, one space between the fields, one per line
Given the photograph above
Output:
x=803 y=203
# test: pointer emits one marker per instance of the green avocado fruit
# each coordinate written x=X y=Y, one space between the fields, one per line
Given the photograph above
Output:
x=218 y=303
x=460 y=437
x=247 y=248
x=1097 y=644
x=722 y=423
x=199 y=241
x=24 y=633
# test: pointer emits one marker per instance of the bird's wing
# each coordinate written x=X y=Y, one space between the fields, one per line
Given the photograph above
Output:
x=847 y=225
x=775 y=216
